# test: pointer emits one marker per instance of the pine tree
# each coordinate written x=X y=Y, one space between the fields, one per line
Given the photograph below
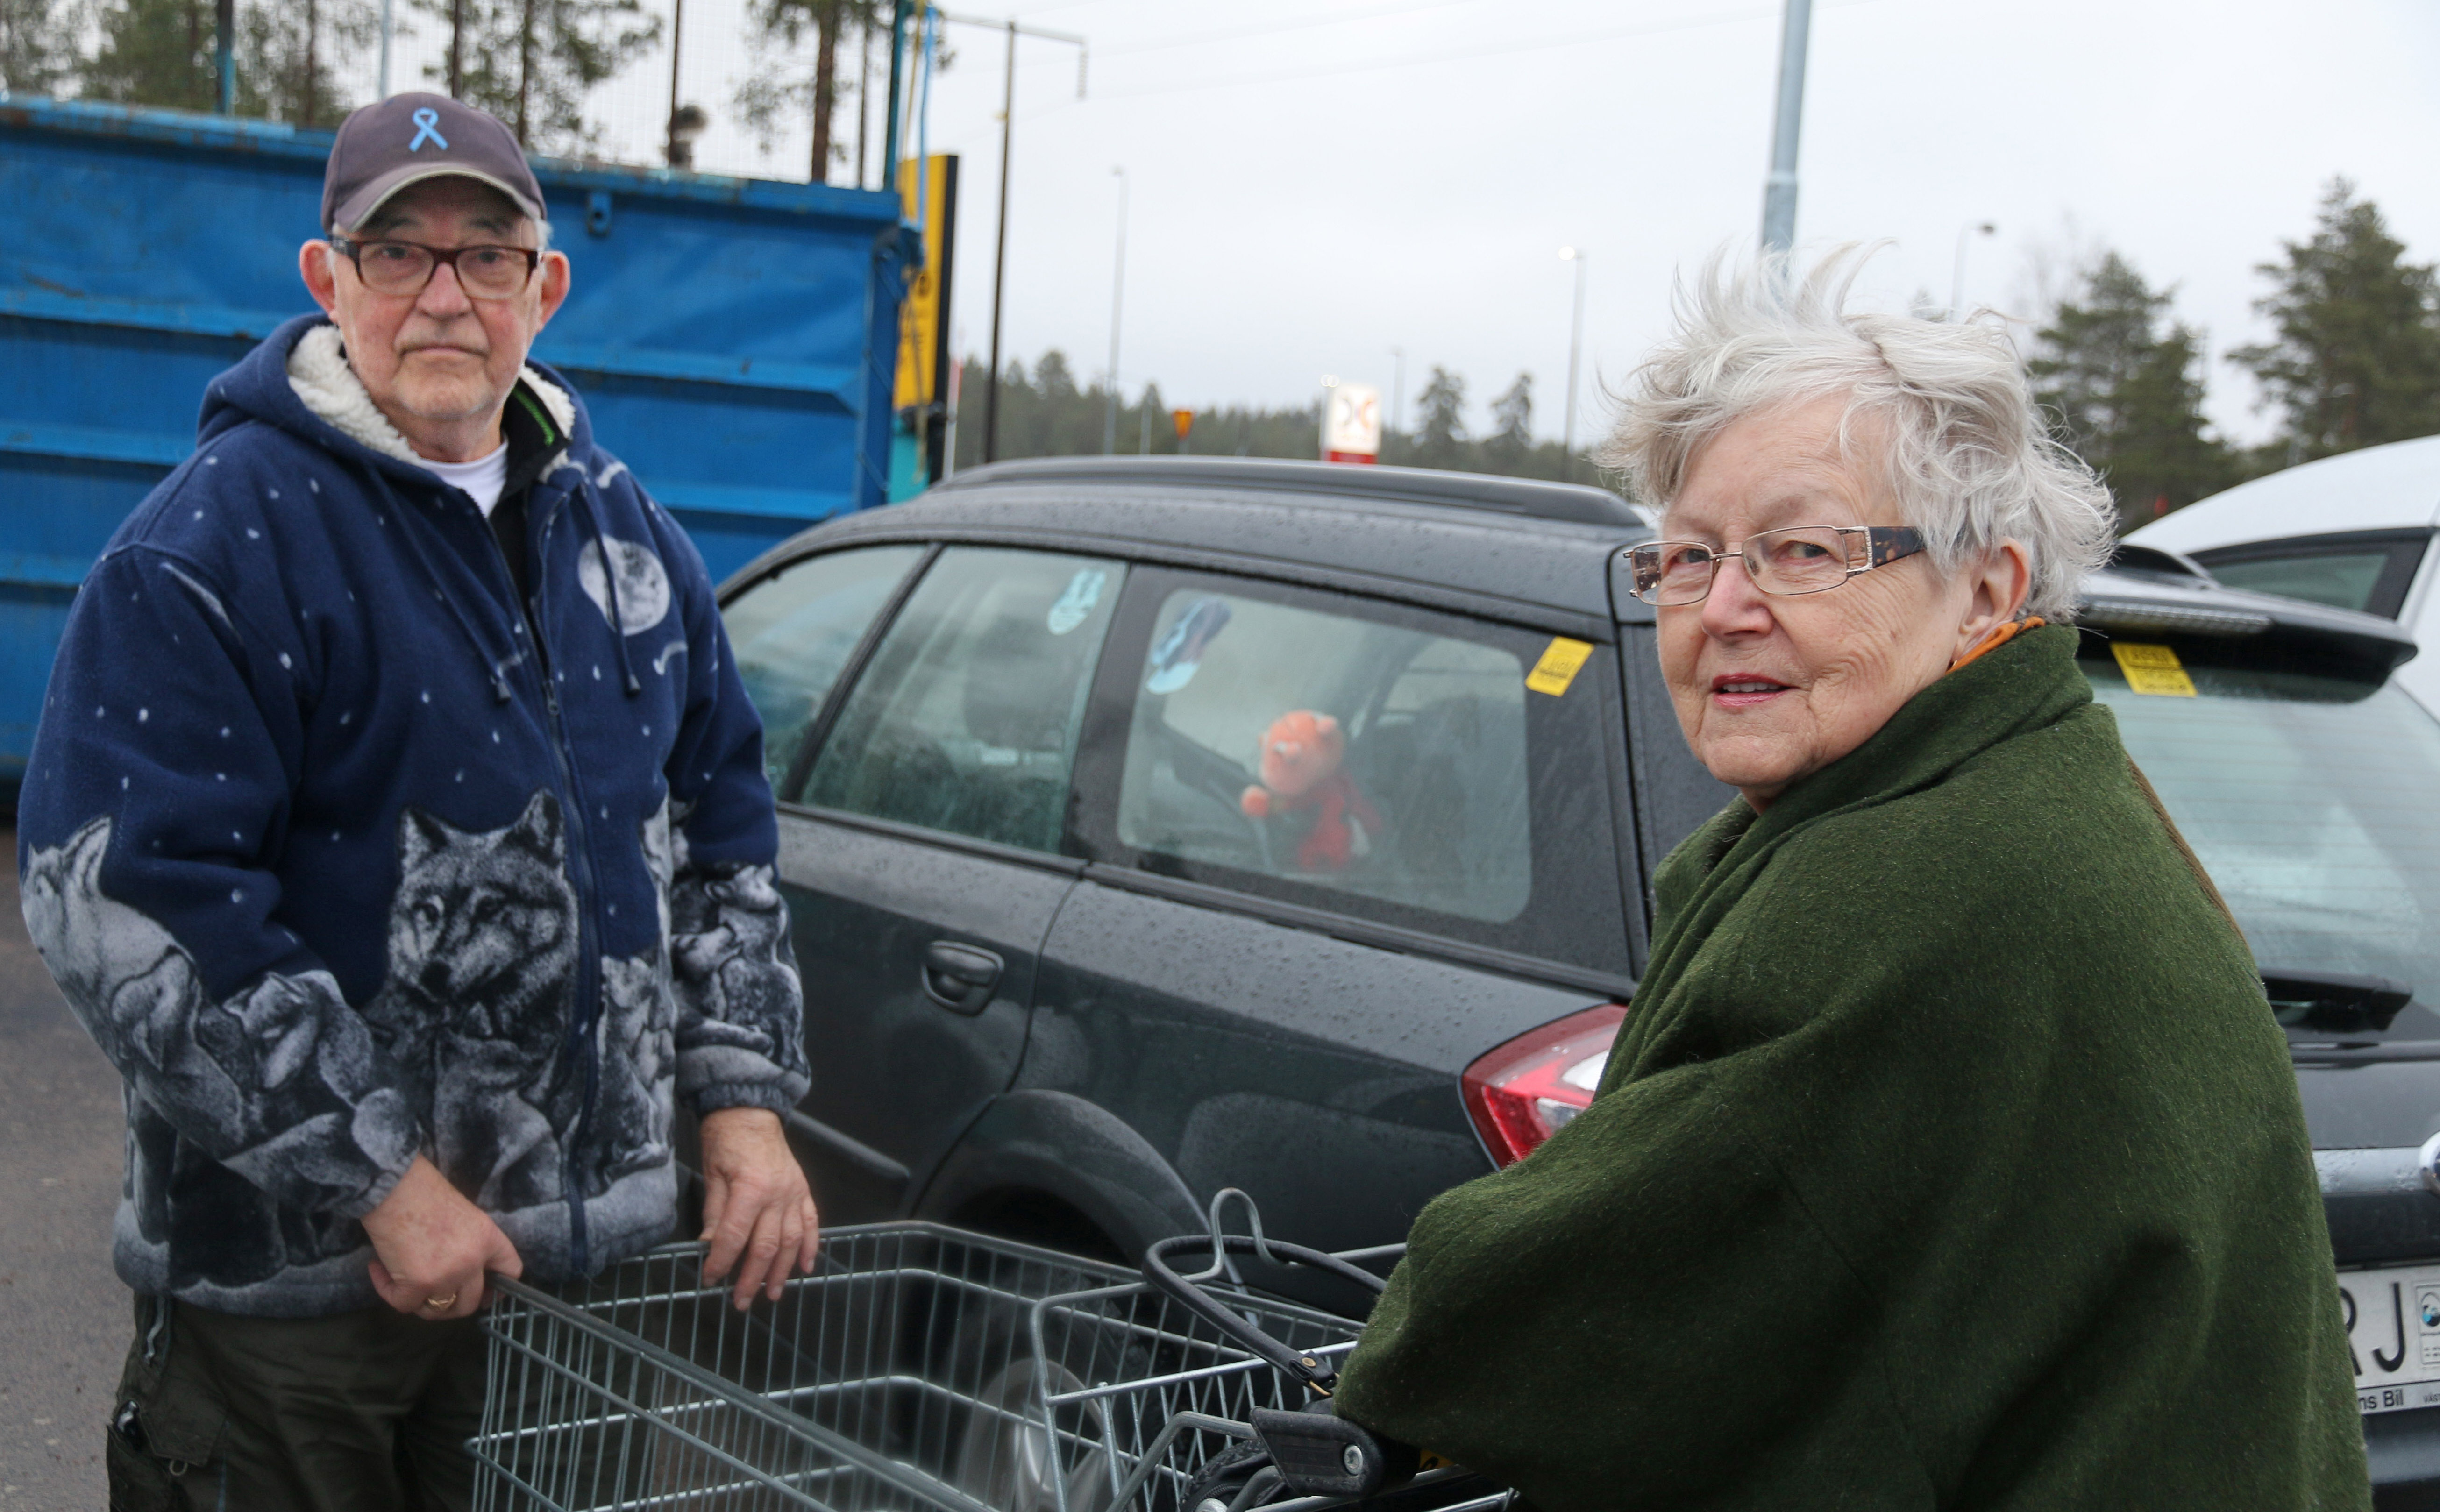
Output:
x=154 y=52
x=1440 y=439
x=2126 y=394
x=285 y=50
x=37 y=45
x=1512 y=413
x=782 y=84
x=2356 y=358
x=532 y=62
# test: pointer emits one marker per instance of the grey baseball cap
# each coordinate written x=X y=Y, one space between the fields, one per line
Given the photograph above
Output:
x=408 y=138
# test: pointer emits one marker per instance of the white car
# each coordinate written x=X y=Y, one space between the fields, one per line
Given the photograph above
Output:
x=2353 y=531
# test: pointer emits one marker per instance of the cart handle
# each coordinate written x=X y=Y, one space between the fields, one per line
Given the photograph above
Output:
x=1312 y=1370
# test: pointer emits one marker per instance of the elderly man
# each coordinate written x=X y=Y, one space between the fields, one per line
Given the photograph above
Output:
x=397 y=825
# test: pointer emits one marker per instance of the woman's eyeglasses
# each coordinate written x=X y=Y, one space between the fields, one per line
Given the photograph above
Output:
x=1802 y=559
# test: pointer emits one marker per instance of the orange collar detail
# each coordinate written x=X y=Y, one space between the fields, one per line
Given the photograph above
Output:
x=1996 y=638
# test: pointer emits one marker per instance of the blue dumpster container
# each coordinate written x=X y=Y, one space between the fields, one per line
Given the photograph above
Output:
x=735 y=338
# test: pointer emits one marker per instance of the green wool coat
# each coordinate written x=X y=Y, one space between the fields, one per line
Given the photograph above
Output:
x=1949 y=1157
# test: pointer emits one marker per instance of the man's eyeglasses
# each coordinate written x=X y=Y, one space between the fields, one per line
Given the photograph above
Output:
x=1802 y=559
x=406 y=267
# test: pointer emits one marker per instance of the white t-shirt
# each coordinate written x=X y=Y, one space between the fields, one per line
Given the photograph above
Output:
x=482 y=478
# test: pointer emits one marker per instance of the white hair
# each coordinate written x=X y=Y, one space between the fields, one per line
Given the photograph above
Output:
x=1965 y=451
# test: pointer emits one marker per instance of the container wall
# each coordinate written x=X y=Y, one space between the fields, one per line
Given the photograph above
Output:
x=734 y=339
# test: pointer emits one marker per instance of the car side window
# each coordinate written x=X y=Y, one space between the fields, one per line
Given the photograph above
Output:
x=967 y=719
x=1426 y=770
x=793 y=632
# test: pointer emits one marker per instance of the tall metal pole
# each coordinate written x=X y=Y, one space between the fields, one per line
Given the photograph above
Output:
x=677 y=35
x=890 y=130
x=225 y=58
x=381 y=87
x=1575 y=353
x=1779 y=189
x=1117 y=295
x=1398 y=390
x=999 y=258
x=1957 y=275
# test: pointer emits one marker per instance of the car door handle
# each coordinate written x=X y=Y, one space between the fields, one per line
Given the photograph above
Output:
x=960 y=977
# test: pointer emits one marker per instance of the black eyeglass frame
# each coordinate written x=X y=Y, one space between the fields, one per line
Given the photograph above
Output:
x=1882 y=545
x=353 y=251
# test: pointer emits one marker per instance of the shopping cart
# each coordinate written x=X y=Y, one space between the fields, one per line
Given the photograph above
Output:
x=919 y=1367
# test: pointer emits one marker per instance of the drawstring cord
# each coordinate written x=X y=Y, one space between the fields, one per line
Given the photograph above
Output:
x=610 y=586
x=500 y=694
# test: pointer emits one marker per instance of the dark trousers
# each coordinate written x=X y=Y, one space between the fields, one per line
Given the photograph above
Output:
x=364 y=1412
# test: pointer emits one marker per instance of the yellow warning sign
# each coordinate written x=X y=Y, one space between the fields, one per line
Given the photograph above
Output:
x=1559 y=665
x=2153 y=669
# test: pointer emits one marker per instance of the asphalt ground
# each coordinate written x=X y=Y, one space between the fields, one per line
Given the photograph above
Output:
x=63 y=1314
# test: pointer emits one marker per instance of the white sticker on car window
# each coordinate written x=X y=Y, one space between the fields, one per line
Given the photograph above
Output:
x=1179 y=656
x=1076 y=605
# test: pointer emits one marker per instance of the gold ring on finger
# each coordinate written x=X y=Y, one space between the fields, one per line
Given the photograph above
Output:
x=441 y=1304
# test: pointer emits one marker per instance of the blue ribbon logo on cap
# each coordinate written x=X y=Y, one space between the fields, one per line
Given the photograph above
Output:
x=427 y=122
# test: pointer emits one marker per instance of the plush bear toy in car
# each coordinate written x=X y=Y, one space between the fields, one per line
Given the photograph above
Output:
x=1304 y=754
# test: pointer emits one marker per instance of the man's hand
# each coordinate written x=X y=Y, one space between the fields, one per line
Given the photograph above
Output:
x=432 y=1247
x=755 y=1204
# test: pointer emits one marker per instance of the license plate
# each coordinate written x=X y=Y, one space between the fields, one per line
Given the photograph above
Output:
x=2394 y=1332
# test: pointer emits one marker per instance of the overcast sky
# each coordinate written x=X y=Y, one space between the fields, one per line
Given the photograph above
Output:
x=1315 y=182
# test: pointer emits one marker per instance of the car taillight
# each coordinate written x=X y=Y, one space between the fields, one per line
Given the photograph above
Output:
x=1525 y=1091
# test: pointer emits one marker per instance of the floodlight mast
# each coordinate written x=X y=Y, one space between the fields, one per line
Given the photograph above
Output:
x=1779 y=189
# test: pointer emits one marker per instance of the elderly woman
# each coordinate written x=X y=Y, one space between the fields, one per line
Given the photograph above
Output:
x=1950 y=1155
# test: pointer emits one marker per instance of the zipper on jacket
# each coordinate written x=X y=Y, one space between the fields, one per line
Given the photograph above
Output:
x=579 y=1048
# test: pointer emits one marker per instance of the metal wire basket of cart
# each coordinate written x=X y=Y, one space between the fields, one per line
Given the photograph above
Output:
x=919 y=1367
x=1194 y=1391
x=878 y=1382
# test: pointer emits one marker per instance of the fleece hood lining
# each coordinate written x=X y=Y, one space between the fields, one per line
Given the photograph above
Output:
x=319 y=374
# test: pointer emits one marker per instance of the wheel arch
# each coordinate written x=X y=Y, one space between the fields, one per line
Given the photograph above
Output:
x=1060 y=1151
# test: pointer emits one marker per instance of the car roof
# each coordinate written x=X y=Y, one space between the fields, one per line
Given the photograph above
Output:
x=1486 y=536
x=2392 y=486
x=2153 y=593
x=1326 y=483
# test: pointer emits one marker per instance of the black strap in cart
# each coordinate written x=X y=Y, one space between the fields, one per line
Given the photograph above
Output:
x=1312 y=1370
x=1309 y=1452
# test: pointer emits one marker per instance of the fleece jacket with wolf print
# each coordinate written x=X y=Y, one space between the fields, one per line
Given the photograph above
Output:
x=342 y=858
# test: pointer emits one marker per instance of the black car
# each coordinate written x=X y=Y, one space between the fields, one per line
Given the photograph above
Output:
x=1157 y=826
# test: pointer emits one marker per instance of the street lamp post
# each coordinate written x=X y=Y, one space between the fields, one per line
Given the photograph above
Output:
x=1397 y=391
x=1000 y=255
x=1575 y=355
x=1779 y=189
x=1007 y=134
x=1957 y=274
x=1118 y=292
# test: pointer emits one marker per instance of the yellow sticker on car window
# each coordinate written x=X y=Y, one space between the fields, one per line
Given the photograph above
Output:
x=2153 y=669
x=1559 y=665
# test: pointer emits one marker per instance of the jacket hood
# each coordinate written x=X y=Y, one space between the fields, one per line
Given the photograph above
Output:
x=299 y=381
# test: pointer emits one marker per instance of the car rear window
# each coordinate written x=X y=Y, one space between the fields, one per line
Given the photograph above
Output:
x=1410 y=767
x=2368 y=571
x=2314 y=804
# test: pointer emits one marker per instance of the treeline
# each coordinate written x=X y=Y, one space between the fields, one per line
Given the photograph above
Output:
x=2354 y=360
x=530 y=63
x=1046 y=413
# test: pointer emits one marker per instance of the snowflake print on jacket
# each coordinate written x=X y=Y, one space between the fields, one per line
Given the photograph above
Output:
x=348 y=853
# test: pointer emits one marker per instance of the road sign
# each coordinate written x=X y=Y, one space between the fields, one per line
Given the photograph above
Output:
x=1351 y=424
x=1183 y=419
